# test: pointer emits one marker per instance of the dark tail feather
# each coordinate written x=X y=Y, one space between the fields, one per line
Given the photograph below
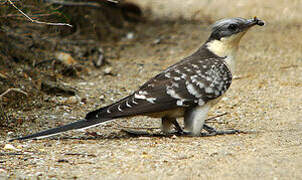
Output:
x=82 y=124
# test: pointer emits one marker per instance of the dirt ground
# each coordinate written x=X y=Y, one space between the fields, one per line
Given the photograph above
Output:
x=264 y=99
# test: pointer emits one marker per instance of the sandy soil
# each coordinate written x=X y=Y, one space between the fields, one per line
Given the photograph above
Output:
x=265 y=99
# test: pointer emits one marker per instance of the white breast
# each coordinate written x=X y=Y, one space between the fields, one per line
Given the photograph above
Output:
x=226 y=47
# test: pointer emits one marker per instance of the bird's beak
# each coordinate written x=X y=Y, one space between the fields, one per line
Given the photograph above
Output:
x=252 y=22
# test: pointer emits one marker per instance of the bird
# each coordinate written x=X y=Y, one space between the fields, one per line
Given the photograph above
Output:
x=186 y=89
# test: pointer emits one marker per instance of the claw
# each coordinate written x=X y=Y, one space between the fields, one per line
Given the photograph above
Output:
x=212 y=131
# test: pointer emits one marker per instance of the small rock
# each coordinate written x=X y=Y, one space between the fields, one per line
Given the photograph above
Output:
x=108 y=71
x=174 y=137
x=39 y=174
x=65 y=58
x=130 y=35
x=225 y=99
x=3 y=173
x=58 y=100
x=10 y=147
x=10 y=133
x=101 y=59
x=72 y=100
x=65 y=114
x=156 y=41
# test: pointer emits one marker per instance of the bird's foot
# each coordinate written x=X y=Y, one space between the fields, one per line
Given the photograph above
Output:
x=213 y=132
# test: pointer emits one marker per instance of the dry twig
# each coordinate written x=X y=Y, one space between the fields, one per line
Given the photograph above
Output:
x=79 y=154
x=209 y=120
x=36 y=21
x=72 y=3
x=12 y=89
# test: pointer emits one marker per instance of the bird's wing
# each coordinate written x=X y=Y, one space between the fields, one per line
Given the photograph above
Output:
x=191 y=82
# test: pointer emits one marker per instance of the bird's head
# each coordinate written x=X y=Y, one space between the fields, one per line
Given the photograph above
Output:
x=226 y=34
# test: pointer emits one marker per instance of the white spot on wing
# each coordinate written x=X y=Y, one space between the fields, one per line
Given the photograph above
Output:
x=128 y=105
x=134 y=102
x=220 y=86
x=119 y=108
x=193 y=91
x=200 y=102
x=208 y=78
x=179 y=102
x=151 y=99
x=177 y=71
x=208 y=90
x=183 y=75
x=195 y=66
x=200 y=85
x=142 y=92
x=173 y=94
x=108 y=110
x=177 y=78
x=187 y=69
x=150 y=85
x=139 y=96
x=174 y=84
x=168 y=75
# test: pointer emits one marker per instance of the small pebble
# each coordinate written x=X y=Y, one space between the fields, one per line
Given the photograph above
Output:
x=157 y=41
x=10 y=147
x=65 y=58
x=108 y=71
x=100 y=60
x=174 y=137
x=10 y=133
x=39 y=174
x=130 y=35
x=73 y=100
x=2 y=171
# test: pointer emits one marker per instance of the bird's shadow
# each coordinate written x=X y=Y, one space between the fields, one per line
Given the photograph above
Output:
x=130 y=133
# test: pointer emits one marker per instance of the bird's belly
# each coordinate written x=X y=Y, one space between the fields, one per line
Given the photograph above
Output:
x=178 y=112
x=175 y=113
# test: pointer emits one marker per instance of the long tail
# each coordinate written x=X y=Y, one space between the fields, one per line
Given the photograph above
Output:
x=126 y=107
x=81 y=124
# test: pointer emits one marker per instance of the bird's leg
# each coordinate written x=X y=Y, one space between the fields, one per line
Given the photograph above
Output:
x=177 y=127
x=167 y=123
x=194 y=120
x=166 y=127
x=212 y=131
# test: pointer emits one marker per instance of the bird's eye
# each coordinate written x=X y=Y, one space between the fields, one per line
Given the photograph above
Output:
x=233 y=27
